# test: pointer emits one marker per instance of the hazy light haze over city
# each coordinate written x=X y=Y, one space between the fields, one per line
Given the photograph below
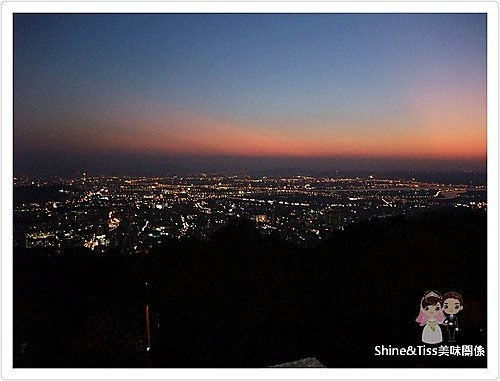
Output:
x=229 y=91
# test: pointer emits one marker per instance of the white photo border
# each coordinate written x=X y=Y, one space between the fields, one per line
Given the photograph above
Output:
x=9 y=8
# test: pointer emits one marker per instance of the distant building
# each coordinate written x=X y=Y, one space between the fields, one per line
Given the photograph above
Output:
x=97 y=242
x=261 y=218
x=41 y=240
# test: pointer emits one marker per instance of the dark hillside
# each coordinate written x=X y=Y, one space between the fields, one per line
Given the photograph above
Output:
x=246 y=300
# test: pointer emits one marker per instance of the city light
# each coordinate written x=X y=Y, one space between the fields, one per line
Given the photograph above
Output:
x=132 y=214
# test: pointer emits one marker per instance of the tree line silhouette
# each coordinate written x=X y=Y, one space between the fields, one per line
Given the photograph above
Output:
x=243 y=299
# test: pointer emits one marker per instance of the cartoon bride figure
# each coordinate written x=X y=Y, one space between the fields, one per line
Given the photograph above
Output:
x=431 y=315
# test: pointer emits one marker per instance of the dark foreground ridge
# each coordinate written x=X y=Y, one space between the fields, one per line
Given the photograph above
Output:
x=309 y=362
x=244 y=300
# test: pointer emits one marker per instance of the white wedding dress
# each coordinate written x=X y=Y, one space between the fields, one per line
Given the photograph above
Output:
x=432 y=335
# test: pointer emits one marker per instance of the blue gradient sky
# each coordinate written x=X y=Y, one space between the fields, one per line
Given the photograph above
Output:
x=399 y=86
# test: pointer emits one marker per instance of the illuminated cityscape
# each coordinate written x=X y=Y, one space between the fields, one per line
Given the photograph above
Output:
x=132 y=214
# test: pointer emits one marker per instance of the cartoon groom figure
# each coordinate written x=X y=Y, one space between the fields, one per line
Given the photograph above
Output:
x=453 y=303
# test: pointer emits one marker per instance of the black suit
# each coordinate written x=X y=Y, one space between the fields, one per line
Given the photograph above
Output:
x=451 y=322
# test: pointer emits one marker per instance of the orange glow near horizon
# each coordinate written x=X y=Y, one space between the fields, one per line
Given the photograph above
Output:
x=427 y=138
x=441 y=124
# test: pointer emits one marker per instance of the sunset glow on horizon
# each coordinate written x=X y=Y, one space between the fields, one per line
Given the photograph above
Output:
x=398 y=86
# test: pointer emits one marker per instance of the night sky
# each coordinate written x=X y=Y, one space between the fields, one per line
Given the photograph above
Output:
x=264 y=90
